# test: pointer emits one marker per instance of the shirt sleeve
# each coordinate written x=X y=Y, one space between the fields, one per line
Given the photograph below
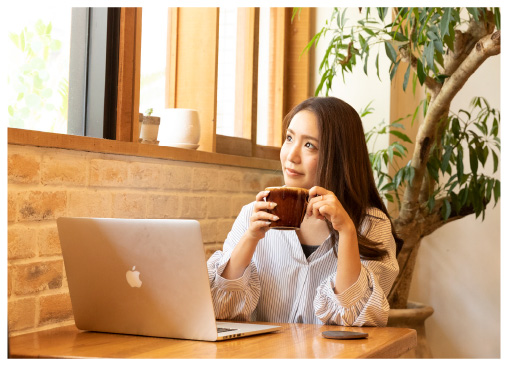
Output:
x=365 y=302
x=234 y=299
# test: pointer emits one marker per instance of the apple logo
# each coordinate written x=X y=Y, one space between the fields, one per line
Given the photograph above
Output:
x=133 y=278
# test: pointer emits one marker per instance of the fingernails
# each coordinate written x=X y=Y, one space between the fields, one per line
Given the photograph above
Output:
x=273 y=204
x=275 y=218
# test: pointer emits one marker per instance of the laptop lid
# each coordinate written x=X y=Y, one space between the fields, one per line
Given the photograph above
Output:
x=143 y=277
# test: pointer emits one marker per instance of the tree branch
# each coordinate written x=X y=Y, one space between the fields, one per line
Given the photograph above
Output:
x=465 y=41
x=432 y=85
x=486 y=47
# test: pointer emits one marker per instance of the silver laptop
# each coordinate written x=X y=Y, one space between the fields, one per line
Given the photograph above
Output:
x=143 y=277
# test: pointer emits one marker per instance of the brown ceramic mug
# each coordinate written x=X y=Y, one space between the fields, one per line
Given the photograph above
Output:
x=291 y=206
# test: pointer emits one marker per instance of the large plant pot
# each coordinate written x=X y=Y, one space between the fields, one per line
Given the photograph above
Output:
x=413 y=317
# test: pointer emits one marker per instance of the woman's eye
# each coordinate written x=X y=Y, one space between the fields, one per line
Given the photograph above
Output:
x=309 y=145
x=289 y=138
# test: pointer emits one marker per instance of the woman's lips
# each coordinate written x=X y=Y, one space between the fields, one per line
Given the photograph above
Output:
x=292 y=173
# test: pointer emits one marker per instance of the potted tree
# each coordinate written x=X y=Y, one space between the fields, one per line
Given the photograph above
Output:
x=443 y=47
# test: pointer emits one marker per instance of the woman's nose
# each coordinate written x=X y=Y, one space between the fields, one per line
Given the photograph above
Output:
x=294 y=154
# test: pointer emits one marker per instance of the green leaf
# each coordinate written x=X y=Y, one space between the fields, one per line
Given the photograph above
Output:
x=446 y=158
x=369 y=31
x=406 y=77
x=446 y=210
x=398 y=36
x=438 y=46
x=390 y=52
x=421 y=72
x=394 y=69
x=497 y=15
x=429 y=54
x=496 y=160
x=389 y=197
x=473 y=160
x=445 y=21
x=377 y=67
x=401 y=136
x=11 y=110
x=382 y=13
x=497 y=190
x=460 y=165
x=431 y=203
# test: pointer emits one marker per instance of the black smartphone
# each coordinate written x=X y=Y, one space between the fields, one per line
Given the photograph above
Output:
x=342 y=334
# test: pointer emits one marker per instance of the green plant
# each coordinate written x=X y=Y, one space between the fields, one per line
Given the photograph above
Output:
x=443 y=47
x=35 y=105
x=149 y=111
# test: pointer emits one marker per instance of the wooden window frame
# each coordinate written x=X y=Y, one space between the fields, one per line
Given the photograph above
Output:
x=287 y=86
x=292 y=86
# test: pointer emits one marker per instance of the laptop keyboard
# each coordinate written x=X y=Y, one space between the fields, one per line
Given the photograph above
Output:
x=222 y=330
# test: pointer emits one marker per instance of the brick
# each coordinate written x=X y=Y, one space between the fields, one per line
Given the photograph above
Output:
x=64 y=170
x=194 y=207
x=21 y=314
x=272 y=180
x=32 y=278
x=129 y=205
x=55 y=308
x=230 y=180
x=163 y=206
x=22 y=242
x=39 y=205
x=252 y=182
x=49 y=242
x=208 y=230
x=108 y=173
x=223 y=229
x=23 y=168
x=219 y=207
x=10 y=277
x=11 y=206
x=145 y=175
x=89 y=203
x=212 y=248
x=205 y=179
x=176 y=177
x=238 y=201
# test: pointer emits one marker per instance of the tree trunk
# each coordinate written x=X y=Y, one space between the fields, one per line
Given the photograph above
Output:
x=411 y=234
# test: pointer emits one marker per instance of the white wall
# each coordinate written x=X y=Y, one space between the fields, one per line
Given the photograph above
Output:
x=358 y=89
x=458 y=268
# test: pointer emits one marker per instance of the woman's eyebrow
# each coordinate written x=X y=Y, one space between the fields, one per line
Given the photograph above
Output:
x=308 y=137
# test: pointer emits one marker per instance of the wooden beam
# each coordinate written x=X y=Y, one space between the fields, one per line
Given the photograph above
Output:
x=196 y=68
x=127 y=127
x=172 y=46
x=278 y=36
x=297 y=63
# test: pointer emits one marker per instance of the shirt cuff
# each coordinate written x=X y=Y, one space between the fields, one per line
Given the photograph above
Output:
x=238 y=284
x=355 y=292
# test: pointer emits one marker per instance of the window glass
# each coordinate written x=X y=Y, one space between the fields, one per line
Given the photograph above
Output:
x=226 y=74
x=263 y=76
x=38 y=50
x=153 y=59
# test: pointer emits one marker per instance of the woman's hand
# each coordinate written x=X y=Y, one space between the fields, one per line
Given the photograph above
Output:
x=324 y=204
x=260 y=219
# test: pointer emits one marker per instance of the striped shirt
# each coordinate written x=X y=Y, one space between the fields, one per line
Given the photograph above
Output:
x=282 y=285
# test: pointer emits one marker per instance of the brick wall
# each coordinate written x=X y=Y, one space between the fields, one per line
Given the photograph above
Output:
x=46 y=183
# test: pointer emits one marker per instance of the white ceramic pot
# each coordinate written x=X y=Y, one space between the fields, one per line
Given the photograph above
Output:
x=179 y=128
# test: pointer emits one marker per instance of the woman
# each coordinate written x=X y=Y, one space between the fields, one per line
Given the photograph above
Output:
x=339 y=267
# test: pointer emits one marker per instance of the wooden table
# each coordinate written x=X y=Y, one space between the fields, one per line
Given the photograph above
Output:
x=293 y=341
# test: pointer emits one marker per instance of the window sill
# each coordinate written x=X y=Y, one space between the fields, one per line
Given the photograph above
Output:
x=17 y=136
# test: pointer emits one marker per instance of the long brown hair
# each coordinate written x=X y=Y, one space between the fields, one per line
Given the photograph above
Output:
x=344 y=166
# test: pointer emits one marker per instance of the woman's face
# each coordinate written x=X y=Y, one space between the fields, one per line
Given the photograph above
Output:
x=300 y=151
